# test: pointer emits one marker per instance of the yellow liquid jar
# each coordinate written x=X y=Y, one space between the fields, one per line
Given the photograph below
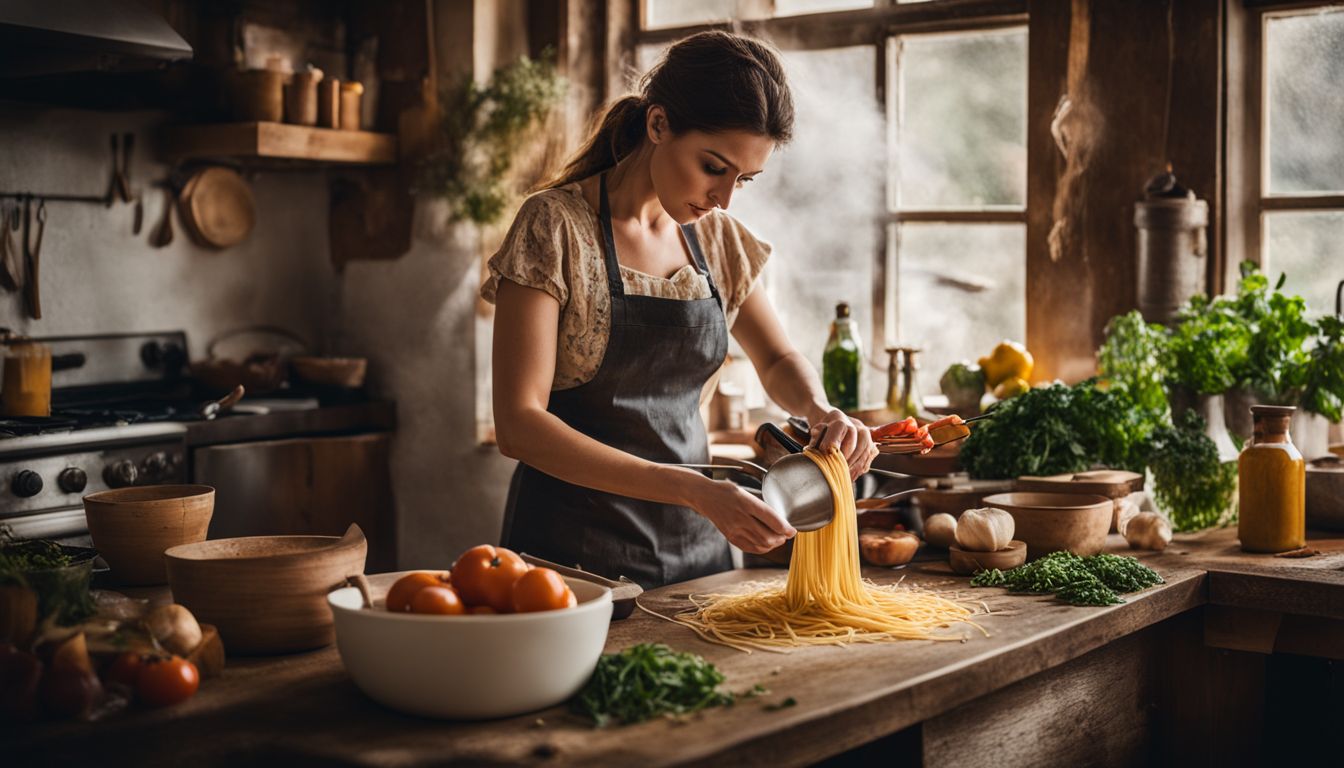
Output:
x=1273 y=485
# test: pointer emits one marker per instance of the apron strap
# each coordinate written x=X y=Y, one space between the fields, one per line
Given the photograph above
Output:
x=688 y=232
x=614 y=284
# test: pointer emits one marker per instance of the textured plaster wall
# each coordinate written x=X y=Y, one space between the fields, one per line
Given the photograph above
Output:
x=98 y=278
x=415 y=319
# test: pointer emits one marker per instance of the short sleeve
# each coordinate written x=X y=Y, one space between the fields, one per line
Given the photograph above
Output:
x=742 y=256
x=535 y=249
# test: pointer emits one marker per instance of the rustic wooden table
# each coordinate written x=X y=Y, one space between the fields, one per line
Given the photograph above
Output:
x=1049 y=683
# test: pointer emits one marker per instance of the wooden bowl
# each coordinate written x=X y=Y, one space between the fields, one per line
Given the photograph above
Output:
x=1049 y=522
x=1325 y=493
x=266 y=594
x=133 y=526
x=968 y=563
x=343 y=372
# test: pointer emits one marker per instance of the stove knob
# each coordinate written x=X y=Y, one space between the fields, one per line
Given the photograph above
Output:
x=120 y=474
x=72 y=480
x=27 y=483
x=154 y=466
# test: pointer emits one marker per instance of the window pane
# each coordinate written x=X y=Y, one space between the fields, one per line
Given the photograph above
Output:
x=820 y=199
x=795 y=7
x=1305 y=115
x=678 y=13
x=961 y=289
x=1306 y=246
x=962 y=107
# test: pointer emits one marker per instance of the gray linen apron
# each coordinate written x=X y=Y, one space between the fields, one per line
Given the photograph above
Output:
x=644 y=400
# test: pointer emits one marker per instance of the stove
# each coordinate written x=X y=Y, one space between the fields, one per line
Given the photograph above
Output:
x=120 y=404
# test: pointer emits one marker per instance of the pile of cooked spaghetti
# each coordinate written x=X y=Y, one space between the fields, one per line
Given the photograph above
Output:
x=825 y=601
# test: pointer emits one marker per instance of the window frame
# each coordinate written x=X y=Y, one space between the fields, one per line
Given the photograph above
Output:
x=879 y=27
x=1248 y=198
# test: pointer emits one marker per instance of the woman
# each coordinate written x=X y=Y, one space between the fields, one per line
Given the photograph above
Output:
x=615 y=289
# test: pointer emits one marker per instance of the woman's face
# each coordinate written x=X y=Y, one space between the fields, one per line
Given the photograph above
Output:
x=695 y=172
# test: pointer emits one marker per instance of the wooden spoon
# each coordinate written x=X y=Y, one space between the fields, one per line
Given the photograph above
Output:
x=163 y=235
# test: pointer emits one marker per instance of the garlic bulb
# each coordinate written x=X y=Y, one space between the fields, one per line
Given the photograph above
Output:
x=1125 y=509
x=940 y=530
x=1147 y=530
x=984 y=530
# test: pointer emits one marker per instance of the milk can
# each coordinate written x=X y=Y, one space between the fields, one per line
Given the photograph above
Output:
x=1172 y=247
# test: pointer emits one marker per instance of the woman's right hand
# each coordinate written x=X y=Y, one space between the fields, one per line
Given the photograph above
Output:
x=748 y=523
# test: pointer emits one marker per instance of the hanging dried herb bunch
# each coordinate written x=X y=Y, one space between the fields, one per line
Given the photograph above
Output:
x=483 y=130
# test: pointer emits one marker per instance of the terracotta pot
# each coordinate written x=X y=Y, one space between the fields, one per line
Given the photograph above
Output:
x=132 y=527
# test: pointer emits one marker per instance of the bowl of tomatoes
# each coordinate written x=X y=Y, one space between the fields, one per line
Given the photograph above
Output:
x=491 y=637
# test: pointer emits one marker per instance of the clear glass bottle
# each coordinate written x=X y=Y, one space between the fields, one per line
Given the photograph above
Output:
x=842 y=362
x=903 y=397
x=1272 y=481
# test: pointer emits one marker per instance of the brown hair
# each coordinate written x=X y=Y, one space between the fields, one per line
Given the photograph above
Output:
x=711 y=82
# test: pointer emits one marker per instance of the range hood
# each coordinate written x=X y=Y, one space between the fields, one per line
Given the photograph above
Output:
x=49 y=37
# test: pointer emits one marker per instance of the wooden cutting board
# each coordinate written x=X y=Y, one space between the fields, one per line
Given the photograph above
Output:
x=1111 y=483
x=217 y=207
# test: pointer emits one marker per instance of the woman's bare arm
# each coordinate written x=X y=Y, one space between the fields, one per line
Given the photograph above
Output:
x=792 y=382
x=526 y=324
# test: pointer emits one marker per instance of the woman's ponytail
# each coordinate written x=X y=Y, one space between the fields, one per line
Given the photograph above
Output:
x=617 y=133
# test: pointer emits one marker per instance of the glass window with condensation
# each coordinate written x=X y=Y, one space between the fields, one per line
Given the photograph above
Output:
x=958 y=135
x=1304 y=151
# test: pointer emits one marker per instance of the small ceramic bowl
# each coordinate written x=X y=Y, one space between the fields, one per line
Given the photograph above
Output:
x=968 y=563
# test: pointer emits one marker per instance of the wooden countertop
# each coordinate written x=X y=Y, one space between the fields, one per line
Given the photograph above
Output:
x=304 y=707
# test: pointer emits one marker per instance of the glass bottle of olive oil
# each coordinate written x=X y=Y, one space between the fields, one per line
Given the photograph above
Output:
x=842 y=362
x=1272 y=478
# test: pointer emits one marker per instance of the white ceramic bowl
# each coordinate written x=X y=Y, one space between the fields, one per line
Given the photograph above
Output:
x=472 y=667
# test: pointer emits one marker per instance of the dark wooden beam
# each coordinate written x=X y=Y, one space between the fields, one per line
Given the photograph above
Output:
x=861 y=27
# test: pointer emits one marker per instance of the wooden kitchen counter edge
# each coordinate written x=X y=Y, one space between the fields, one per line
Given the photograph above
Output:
x=304 y=706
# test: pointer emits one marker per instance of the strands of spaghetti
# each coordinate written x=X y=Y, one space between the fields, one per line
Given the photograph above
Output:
x=825 y=601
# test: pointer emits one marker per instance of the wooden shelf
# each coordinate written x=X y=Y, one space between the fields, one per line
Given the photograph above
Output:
x=280 y=141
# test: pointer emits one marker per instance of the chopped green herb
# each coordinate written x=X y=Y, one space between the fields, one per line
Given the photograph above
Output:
x=1095 y=580
x=785 y=704
x=648 y=680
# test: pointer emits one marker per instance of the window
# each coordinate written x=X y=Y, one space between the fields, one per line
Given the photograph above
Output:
x=1294 y=169
x=904 y=189
x=957 y=193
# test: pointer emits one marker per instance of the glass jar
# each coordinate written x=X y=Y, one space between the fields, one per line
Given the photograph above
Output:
x=26 y=388
x=1272 y=478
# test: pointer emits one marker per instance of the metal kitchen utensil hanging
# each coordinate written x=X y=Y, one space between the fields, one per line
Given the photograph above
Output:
x=33 y=257
x=11 y=278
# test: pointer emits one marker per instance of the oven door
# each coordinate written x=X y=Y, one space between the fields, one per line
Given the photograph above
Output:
x=308 y=485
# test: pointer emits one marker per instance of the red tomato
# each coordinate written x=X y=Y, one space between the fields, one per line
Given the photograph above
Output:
x=165 y=681
x=399 y=596
x=541 y=589
x=440 y=600
x=482 y=610
x=896 y=428
x=484 y=575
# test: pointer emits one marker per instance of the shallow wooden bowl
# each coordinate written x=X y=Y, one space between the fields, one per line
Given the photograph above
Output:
x=1049 y=522
x=132 y=527
x=344 y=372
x=266 y=594
x=968 y=563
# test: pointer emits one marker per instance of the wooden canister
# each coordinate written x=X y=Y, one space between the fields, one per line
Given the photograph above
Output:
x=329 y=103
x=352 y=96
x=301 y=97
x=259 y=95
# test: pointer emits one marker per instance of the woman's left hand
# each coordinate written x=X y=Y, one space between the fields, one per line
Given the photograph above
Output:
x=850 y=436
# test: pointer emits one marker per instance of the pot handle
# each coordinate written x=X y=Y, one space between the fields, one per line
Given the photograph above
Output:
x=360 y=582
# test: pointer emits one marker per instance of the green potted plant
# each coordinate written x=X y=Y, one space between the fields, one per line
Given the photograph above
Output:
x=1198 y=355
x=1290 y=359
